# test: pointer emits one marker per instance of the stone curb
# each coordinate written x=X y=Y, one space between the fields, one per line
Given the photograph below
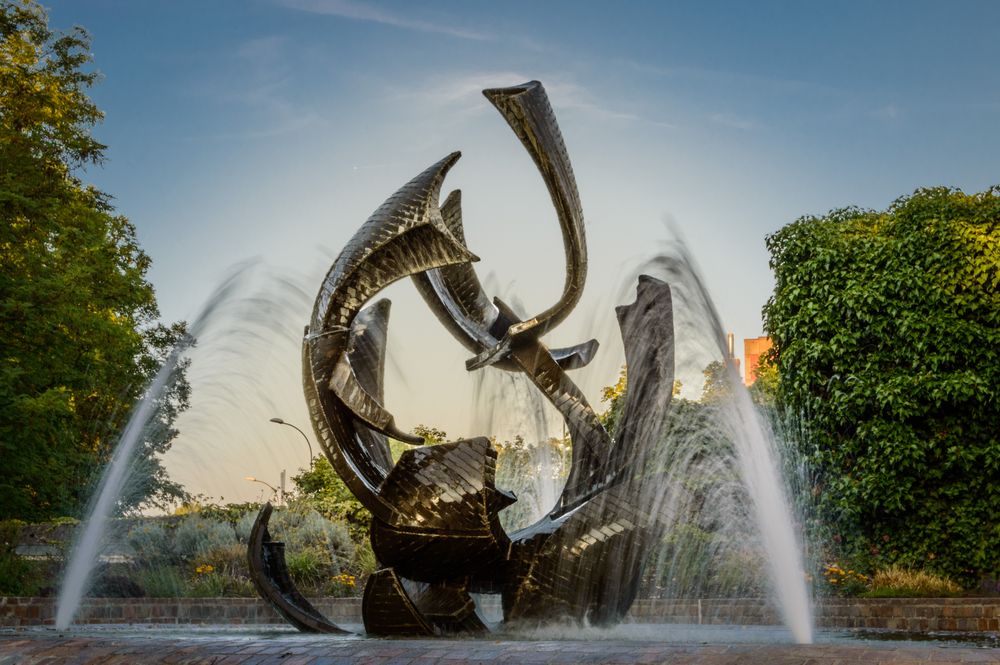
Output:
x=905 y=614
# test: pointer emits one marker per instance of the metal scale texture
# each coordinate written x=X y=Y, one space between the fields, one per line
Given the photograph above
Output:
x=435 y=528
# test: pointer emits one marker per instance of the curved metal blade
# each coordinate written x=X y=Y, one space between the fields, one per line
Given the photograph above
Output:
x=366 y=355
x=528 y=112
x=647 y=328
x=269 y=574
x=457 y=298
x=404 y=236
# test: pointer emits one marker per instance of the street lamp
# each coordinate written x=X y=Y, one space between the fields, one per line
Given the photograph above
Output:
x=277 y=493
x=279 y=421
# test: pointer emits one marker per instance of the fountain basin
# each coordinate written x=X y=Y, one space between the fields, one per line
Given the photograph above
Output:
x=912 y=615
x=627 y=643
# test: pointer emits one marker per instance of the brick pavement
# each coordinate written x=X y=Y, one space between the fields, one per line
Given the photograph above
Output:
x=53 y=648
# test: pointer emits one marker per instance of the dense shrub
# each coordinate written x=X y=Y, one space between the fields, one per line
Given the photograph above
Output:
x=18 y=576
x=196 y=537
x=150 y=542
x=886 y=331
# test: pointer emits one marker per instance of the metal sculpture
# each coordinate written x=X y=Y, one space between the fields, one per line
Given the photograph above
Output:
x=435 y=513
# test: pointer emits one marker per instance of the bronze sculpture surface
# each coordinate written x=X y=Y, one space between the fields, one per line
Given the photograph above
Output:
x=435 y=513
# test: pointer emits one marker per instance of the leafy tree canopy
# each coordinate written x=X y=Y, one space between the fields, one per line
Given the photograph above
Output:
x=886 y=328
x=78 y=319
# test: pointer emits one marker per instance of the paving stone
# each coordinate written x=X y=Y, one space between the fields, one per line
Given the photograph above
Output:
x=31 y=648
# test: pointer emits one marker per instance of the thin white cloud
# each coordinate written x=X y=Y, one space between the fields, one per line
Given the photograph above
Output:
x=360 y=11
x=463 y=93
x=733 y=121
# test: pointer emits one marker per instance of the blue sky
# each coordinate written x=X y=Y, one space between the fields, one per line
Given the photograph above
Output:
x=273 y=128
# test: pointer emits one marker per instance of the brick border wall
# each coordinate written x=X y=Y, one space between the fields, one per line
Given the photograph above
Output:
x=15 y=612
x=912 y=614
x=907 y=614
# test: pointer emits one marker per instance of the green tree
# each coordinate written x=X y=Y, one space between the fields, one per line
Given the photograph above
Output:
x=431 y=435
x=716 y=384
x=78 y=319
x=886 y=328
x=323 y=489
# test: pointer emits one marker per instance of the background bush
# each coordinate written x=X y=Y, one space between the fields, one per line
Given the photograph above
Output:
x=886 y=328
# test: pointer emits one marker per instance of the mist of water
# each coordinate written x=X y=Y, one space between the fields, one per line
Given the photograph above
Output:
x=734 y=529
x=715 y=475
x=86 y=549
x=232 y=342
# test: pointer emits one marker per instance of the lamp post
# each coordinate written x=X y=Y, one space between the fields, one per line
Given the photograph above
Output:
x=277 y=493
x=279 y=421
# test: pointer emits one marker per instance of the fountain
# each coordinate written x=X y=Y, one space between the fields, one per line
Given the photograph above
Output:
x=435 y=529
x=237 y=322
x=566 y=570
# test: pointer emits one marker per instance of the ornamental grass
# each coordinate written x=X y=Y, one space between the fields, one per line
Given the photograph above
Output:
x=896 y=581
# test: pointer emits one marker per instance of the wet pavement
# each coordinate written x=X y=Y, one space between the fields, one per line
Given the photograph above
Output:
x=227 y=647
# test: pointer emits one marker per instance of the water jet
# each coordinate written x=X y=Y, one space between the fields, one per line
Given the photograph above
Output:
x=436 y=530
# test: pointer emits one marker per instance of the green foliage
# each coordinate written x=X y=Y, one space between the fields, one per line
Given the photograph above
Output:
x=244 y=526
x=886 y=328
x=10 y=534
x=316 y=549
x=18 y=576
x=307 y=567
x=317 y=532
x=21 y=577
x=324 y=491
x=151 y=543
x=228 y=512
x=764 y=390
x=162 y=582
x=363 y=562
x=717 y=384
x=78 y=319
x=525 y=467
x=843 y=581
x=705 y=562
x=614 y=396
x=431 y=435
x=196 y=537
x=341 y=586
x=193 y=555
x=215 y=583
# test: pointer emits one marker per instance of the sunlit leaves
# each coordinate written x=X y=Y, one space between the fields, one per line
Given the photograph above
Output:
x=887 y=336
x=78 y=319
